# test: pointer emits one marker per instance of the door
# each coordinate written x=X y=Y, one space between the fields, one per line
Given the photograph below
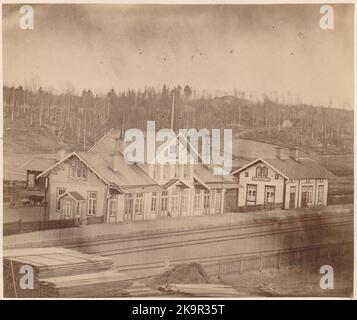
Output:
x=164 y=204
x=231 y=200
x=292 y=197
x=206 y=202
x=128 y=207
x=251 y=194
x=68 y=210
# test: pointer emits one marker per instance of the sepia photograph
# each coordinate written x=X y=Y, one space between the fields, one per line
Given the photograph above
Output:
x=178 y=151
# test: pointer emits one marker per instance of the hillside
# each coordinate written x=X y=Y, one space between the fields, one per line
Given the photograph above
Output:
x=21 y=142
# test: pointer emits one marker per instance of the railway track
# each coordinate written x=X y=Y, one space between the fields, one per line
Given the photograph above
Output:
x=207 y=260
x=203 y=237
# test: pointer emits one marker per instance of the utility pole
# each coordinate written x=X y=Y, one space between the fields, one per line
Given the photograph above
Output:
x=172 y=111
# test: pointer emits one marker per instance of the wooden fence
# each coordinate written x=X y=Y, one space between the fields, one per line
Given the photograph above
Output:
x=30 y=226
x=313 y=256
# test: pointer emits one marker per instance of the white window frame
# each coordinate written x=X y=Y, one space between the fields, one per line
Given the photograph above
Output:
x=139 y=204
x=153 y=205
x=112 y=207
x=92 y=203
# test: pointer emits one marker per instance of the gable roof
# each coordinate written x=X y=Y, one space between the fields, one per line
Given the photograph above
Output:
x=127 y=175
x=174 y=182
x=289 y=168
x=73 y=194
x=107 y=143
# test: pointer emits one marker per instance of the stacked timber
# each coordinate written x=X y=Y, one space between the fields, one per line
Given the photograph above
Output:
x=139 y=289
x=199 y=290
x=88 y=285
x=46 y=263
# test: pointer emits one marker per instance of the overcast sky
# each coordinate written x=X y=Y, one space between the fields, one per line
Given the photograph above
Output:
x=252 y=48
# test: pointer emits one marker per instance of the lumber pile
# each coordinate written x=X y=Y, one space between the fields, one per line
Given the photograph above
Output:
x=138 y=289
x=87 y=285
x=60 y=272
x=47 y=263
x=57 y=262
x=199 y=290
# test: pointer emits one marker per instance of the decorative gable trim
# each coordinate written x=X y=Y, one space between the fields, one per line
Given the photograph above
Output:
x=256 y=161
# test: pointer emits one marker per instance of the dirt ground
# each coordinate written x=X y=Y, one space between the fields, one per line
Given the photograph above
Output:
x=290 y=282
x=293 y=281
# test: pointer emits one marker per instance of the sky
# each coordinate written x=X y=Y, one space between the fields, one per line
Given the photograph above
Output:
x=217 y=48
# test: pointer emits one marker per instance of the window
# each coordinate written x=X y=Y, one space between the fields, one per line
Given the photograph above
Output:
x=262 y=172
x=269 y=194
x=128 y=206
x=139 y=204
x=277 y=176
x=246 y=174
x=307 y=193
x=164 y=199
x=92 y=203
x=320 y=194
x=78 y=171
x=258 y=172
x=112 y=207
x=153 y=202
x=197 y=202
x=31 y=179
x=252 y=193
x=59 y=192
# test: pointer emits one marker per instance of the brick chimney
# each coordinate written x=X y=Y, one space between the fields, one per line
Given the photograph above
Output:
x=278 y=152
x=294 y=154
x=60 y=154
